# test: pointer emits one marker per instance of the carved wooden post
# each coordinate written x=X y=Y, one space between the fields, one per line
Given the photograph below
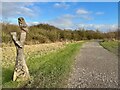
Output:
x=21 y=72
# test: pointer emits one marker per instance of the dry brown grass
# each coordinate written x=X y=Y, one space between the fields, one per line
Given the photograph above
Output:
x=9 y=53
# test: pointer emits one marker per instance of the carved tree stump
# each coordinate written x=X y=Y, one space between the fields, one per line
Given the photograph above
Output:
x=21 y=72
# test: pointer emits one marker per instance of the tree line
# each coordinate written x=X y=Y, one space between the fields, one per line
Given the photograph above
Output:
x=44 y=33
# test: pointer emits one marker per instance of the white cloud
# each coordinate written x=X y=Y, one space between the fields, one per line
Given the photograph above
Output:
x=63 y=22
x=101 y=27
x=86 y=17
x=14 y=10
x=56 y=4
x=61 y=5
x=84 y=14
x=69 y=16
x=33 y=23
x=82 y=11
x=99 y=13
x=67 y=21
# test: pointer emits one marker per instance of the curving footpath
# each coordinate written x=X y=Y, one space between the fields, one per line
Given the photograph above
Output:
x=94 y=67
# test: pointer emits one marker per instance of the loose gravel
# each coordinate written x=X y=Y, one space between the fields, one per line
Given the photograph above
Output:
x=94 y=67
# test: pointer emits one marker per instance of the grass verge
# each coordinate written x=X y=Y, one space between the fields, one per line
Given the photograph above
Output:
x=47 y=71
x=111 y=46
x=51 y=71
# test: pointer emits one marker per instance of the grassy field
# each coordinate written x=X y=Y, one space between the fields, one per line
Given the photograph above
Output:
x=9 y=55
x=111 y=46
x=47 y=70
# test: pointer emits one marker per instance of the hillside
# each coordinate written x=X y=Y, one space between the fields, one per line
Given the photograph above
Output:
x=44 y=33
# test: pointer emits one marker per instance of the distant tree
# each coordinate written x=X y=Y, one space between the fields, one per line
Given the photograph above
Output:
x=43 y=33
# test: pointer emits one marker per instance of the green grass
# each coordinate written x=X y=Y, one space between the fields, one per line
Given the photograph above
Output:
x=7 y=78
x=111 y=46
x=0 y=78
x=47 y=71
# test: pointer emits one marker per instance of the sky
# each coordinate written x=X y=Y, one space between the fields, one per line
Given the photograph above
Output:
x=64 y=15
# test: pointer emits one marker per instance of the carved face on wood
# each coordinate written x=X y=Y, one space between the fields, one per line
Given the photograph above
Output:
x=22 y=24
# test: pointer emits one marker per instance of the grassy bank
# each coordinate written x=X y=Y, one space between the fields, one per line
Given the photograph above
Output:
x=52 y=70
x=49 y=70
x=111 y=46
